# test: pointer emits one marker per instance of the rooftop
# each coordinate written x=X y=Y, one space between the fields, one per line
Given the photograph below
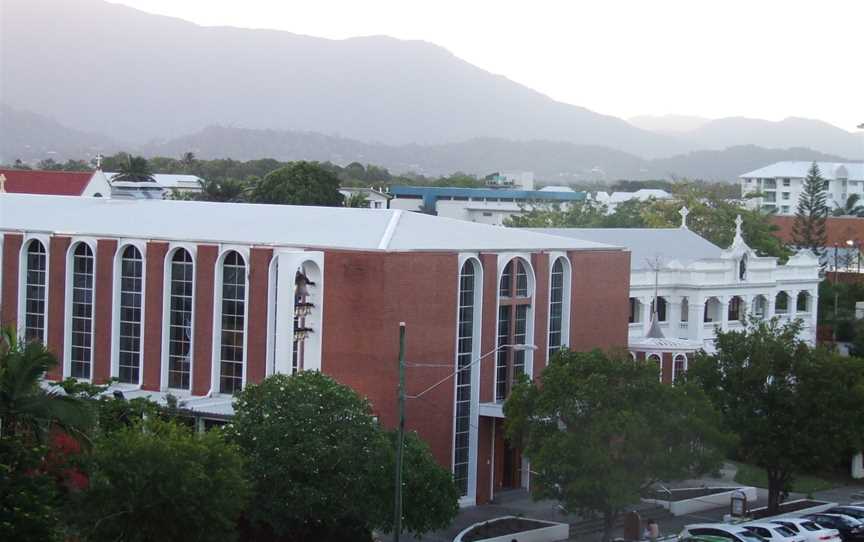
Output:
x=646 y=244
x=454 y=192
x=169 y=180
x=853 y=171
x=61 y=183
x=277 y=225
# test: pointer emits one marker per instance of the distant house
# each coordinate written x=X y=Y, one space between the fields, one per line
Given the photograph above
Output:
x=377 y=199
x=56 y=183
x=611 y=201
x=781 y=184
x=844 y=239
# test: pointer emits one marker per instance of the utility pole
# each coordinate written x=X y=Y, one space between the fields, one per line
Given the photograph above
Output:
x=397 y=504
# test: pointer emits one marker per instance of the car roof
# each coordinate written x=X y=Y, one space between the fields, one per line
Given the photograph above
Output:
x=764 y=524
x=791 y=520
x=709 y=537
x=855 y=507
x=724 y=526
x=834 y=514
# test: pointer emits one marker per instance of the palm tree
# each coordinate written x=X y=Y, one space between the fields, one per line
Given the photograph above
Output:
x=27 y=408
x=851 y=207
x=136 y=170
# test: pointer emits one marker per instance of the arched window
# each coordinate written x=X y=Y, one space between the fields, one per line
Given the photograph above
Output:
x=464 y=354
x=713 y=310
x=180 y=320
x=81 y=351
x=802 y=304
x=685 y=309
x=679 y=366
x=781 y=303
x=34 y=292
x=556 y=306
x=658 y=361
x=736 y=309
x=742 y=268
x=513 y=307
x=130 y=302
x=760 y=306
x=231 y=341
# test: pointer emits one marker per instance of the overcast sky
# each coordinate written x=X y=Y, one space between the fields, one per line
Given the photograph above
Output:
x=766 y=59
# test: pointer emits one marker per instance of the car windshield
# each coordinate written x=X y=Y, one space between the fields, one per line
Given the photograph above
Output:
x=810 y=526
x=750 y=537
x=849 y=522
x=785 y=531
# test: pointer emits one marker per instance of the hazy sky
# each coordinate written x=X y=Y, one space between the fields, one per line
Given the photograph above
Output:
x=713 y=58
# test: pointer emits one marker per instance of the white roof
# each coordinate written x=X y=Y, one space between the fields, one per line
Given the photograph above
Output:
x=853 y=171
x=556 y=189
x=169 y=180
x=646 y=244
x=278 y=225
x=643 y=194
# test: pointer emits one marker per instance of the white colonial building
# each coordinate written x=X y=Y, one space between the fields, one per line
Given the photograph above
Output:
x=781 y=184
x=702 y=287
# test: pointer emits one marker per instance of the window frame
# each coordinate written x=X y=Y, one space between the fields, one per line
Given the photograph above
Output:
x=168 y=278
x=71 y=290
x=218 y=329
x=117 y=309
x=23 y=283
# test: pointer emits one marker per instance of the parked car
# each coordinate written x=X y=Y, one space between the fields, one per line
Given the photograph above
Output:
x=850 y=510
x=773 y=532
x=851 y=529
x=705 y=538
x=811 y=530
x=735 y=533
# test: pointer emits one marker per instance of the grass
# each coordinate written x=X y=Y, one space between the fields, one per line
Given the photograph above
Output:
x=750 y=475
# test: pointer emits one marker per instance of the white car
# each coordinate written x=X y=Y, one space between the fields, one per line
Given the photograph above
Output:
x=773 y=532
x=736 y=533
x=809 y=529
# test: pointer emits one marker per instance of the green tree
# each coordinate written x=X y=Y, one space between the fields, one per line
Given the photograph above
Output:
x=578 y=214
x=851 y=207
x=808 y=230
x=158 y=480
x=134 y=169
x=601 y=428
x=26 y=408
x=226 y=190
x=792 y=408
x=322 y=468
x=28 y=495
x=299 y=183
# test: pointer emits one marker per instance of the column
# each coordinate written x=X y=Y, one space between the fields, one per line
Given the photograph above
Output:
x=56 y=323
x=646 y=314
x=696 y=306
x=103 y=309
x=259 y=295
x=673 y=315
x=11 y=261
x=769 y=306
x=724 y=312
x=202 y=341
x=154 y=262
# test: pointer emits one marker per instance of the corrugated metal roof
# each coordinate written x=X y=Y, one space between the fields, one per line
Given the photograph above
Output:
x=854 y=171
x=280 y=225
x=60 y=183
x=646 y=244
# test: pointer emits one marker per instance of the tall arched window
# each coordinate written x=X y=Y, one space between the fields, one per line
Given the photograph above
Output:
x=556 y=307
x=679 y=366
x=781 y=303
x=180 y=320
x=656 y=360
x=34 y=292
x=464 y=355
x=802 y=302
x=231 y=351
x=81 y=351
x=129 y=334
x=736 y=309
x=513 y=305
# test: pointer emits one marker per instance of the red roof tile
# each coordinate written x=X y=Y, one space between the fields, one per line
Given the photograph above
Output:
x=837 y=229
x=58 y=183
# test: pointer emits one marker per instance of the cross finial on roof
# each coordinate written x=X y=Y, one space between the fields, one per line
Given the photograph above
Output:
x=2 y=183
x=99 y=162
x=738 y=222
x=684 y=212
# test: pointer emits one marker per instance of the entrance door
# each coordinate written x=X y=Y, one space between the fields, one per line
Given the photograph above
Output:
x=512 y=468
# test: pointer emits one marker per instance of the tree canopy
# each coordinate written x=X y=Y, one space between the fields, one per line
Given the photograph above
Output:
x=299 y=183
x=794 y=408
x=134 y=169
x=322 y=468
x=600 y=428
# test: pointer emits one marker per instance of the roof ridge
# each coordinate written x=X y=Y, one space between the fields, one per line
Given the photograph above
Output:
x=390 y=230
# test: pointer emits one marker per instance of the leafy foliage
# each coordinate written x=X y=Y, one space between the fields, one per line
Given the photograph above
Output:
x=28 y=495
x=851 y=207
x=321 y=468
x=793 y=407
x=599 y=428
x=357 y=200
x=160 y=481
x=299 y=183
x=135 y=169
x=808 y=230
x=26 y=408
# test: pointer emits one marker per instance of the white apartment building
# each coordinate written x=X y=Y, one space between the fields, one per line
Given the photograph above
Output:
x=611 y=201
x=782 y=183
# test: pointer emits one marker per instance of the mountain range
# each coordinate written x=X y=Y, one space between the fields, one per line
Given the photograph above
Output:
x=111 y=77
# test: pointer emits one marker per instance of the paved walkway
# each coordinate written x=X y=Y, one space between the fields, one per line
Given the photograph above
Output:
x=519 y=503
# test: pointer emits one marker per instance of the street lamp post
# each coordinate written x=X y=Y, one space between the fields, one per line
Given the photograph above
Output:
x=397 y=504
